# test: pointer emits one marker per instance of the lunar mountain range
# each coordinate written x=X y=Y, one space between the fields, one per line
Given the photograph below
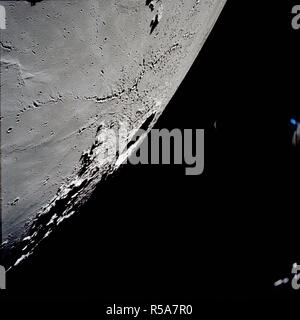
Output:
x=70 y=72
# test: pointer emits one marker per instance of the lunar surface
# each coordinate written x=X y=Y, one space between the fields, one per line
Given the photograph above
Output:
x=72 y=71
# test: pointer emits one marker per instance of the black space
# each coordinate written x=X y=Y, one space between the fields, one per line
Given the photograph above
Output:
x=151 y=232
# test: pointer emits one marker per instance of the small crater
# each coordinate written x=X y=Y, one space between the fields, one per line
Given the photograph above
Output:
x=150 y=4
x=5 y=46
x=46 y=181
x=9 y=130
x=33 y=2
x=35 y=104
x=13 y=203
x=154 y=23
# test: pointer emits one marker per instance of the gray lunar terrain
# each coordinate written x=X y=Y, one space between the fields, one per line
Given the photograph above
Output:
x=70 y=72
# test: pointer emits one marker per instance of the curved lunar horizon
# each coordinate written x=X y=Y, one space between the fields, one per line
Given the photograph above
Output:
x=70 y=73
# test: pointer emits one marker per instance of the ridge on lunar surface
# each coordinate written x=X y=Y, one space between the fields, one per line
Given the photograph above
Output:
x=70 y=72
